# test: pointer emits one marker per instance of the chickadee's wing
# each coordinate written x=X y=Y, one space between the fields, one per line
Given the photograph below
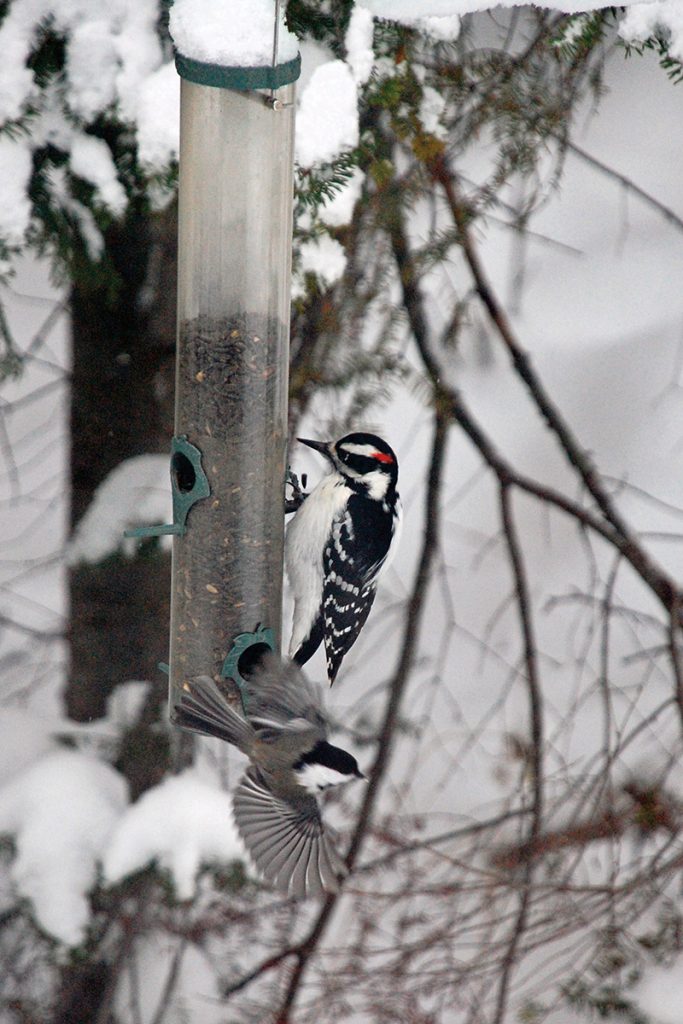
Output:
x=281 y=698
x=290 y=739
x=202 y=708
x=286 y=838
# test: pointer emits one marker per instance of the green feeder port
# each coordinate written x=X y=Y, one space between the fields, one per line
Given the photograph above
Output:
x=244 y=657
x=234 y=280
x=188 y=486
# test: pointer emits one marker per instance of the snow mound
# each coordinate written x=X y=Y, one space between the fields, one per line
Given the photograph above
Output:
x=437 y=18
x=180 y=824
x=15 y=172
x=124 y=704
x=408 y=10
x=358 y=41
x=659 y=993
x=61 y=812
x=158 y=117
x=664 y=17
x=327 y=119
x=325 y=258
x=91 y=160
x=338 y=209
x=137 y=491
x=109 y=53
x=24 y=737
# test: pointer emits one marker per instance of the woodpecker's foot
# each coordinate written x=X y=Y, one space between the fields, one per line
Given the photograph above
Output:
x=298 y=492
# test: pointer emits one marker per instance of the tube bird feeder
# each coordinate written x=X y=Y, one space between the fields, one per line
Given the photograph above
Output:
x=234 y=278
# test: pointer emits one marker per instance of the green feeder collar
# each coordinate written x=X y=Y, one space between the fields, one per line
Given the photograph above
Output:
x=243 y=79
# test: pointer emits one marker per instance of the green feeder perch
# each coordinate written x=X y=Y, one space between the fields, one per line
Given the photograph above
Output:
x=188 y=485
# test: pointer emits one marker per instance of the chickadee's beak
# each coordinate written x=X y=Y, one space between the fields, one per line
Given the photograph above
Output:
x=319 y=446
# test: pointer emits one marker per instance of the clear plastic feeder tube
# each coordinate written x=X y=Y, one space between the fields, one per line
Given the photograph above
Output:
x=235 y=234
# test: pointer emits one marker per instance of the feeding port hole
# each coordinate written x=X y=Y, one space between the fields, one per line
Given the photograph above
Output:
x=250 y=659
x=183 y=471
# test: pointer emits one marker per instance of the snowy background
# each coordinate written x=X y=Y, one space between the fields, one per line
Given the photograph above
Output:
x=594 y=291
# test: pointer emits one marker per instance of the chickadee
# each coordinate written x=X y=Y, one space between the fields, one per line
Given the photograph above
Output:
x=284 y=734
x=342 y=537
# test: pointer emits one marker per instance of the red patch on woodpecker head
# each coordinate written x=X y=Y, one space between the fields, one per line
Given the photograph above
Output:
x=382 y=457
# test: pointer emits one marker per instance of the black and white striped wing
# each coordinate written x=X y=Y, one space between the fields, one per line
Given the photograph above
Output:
x=352 y=561
x=286 y=840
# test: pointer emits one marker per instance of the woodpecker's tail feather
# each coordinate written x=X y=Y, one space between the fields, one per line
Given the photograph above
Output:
x=202 y=708
x=310 y=645
x=344 y=619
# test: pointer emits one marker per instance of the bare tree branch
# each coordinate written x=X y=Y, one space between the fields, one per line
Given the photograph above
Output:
x=579 y=458
x=397 y=688
x=675 y=652
x=536 y=757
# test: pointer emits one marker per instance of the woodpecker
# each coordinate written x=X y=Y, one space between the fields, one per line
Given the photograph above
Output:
x=284 y=733
x=341 y=538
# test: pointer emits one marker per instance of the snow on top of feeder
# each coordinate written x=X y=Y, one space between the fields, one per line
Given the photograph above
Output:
x=231 y=33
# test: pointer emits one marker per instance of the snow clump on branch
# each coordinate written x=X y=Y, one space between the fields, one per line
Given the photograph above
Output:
x=662 y=19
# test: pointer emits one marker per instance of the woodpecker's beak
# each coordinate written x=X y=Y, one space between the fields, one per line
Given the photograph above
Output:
x=319 y=446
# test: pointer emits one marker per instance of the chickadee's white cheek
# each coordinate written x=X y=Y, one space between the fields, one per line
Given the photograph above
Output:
x=316 y=777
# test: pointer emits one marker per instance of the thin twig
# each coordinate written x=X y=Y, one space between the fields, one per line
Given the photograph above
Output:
x=171 y=982
x=670 y=215
x=443 y=837
x=266 y=965
x=675 y=653
x=32 y=631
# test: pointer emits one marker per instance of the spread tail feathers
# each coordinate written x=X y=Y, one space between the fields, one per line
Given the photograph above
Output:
x=286 y=840
x=202 y=708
